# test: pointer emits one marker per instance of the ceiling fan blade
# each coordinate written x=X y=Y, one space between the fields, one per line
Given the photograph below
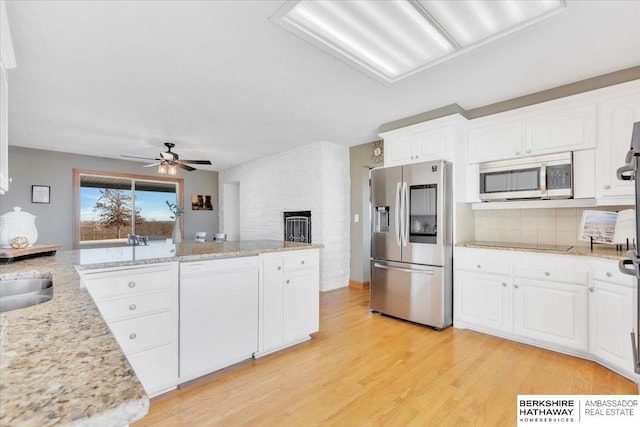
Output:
x=185 y=167
x=137 y=157
x=196 y=162
x=152 y=165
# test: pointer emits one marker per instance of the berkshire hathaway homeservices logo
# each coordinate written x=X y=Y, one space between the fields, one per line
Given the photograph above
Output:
x=579 y=410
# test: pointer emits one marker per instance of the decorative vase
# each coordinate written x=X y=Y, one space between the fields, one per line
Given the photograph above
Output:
x=17 y=224
x=176 y=236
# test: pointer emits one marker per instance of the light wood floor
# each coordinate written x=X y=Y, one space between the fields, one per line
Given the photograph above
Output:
x=369 y=370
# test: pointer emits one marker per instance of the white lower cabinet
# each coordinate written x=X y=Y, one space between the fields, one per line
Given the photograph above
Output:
x=611 y=317
x=139 y=304
x=575 y=304
x=483 y=300
x=229 y=310
x=551 y=312
x=289 y=299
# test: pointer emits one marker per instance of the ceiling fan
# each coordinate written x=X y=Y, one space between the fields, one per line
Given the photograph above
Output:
x=168 y=161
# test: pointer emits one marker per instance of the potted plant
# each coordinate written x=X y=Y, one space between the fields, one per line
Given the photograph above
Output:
x=176 y=211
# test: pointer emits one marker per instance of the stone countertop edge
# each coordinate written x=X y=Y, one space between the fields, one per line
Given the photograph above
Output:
x=60 y=364
x=599 y=251
x=201 y=252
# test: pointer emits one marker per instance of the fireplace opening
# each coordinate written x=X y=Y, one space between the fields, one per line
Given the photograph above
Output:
x=297 y=226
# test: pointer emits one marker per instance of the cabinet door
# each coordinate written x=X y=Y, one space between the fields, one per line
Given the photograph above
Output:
x=482 y=300
x=272 y=308
x=432 y=144
x=495 y=141
x=551 y=312
x=301 y=304
x=156 y=369
x=567 y=130
x=610 y=323
x=398 y=150
x=616 y=122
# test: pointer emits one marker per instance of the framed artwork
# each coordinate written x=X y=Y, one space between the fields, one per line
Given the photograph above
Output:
x=40 y=194
x=598 y=225
x=201 y=202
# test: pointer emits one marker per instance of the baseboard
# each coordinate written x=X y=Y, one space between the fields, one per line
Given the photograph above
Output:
x=358 y=285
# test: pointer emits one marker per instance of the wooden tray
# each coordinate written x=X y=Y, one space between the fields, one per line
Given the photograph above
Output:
x=8 y=255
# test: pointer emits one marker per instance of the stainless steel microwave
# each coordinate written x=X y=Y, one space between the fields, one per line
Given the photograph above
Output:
x=548 y=176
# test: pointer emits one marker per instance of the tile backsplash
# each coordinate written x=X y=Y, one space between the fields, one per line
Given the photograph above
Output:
x=560 y=226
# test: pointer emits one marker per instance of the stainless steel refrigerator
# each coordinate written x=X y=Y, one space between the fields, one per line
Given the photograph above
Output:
x=411 y=243
x=631 y=266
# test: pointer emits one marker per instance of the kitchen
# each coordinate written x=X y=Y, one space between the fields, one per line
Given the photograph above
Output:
x=317 y=177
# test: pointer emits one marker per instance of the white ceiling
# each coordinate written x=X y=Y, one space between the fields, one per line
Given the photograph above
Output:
x=218 y=78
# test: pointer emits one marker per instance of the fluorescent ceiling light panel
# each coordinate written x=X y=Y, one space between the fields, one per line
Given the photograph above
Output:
x=394 y=39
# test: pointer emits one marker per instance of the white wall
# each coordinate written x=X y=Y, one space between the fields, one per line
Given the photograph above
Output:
x=314 y=177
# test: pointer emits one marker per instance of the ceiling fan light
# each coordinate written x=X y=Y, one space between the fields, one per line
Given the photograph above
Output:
x=172 y=170
x=162 y=169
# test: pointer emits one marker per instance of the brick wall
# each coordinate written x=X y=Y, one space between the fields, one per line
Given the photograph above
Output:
x=314 y=177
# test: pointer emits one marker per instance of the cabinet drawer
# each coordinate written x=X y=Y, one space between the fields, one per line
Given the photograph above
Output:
x=551 y=274
x=128 y=282
x=482 y=265
x=301 y=262
x=143 y=332
x=609 y=273
x=156 y=368
x=136 y=305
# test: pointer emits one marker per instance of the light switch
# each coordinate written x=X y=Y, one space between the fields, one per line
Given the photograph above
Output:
x=356 y=218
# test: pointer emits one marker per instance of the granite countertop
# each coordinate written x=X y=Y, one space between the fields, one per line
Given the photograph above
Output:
x=60 y=364
x=599 y=251
x=183 y=252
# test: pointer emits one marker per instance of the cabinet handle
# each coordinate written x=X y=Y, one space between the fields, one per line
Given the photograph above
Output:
x=528 y=151
x=609 y=274
x=504 y=284
x=132 y=336
x=132 y=307
x=287 y=282
x=546 y=273
x=302 y=262
x=606 y=187
x=132 y=284
x=478 y=266
x=517 y=153
x=591 y=289
x=516 y=286
x=279 y=268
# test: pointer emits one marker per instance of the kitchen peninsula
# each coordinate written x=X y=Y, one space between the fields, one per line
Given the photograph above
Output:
x=60 y=362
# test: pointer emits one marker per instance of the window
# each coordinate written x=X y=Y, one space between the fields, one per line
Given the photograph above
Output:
x=109 y=206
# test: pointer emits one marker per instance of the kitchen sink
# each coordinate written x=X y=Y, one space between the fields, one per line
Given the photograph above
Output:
x=22 y=293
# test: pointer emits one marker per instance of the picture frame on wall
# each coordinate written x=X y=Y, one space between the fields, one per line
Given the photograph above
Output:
x=201 y=202
x=40 y=194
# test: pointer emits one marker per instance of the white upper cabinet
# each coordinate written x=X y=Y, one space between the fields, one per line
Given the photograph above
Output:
x=540 y=129
x=422 y=142
x=616 y=117
x=569 y=129
x=7 y=61
x=487 y=140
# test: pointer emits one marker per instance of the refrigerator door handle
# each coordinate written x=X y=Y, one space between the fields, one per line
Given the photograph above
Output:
x=636 y=357
x=397 y=209
x=405 y=216
x=626 y=172
x=406 y=270
x=631 y=271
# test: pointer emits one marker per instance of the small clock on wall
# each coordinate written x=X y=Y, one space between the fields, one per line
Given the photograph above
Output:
x=377 y=151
